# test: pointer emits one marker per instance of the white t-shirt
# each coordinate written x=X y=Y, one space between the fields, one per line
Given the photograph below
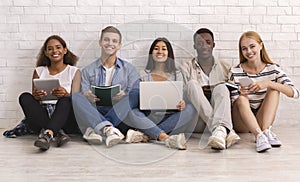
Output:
x=109 y=74
x=65 y=77
x=204 y=79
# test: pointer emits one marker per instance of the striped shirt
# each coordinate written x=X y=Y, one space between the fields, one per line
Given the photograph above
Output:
x=271 y=72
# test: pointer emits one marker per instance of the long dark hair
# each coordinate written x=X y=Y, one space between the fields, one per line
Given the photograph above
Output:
x=170 y=63
x=43 y=60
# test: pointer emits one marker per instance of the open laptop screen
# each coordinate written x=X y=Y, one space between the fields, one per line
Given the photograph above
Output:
x=160 y=95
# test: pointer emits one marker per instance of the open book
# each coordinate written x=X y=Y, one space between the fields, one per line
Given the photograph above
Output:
x=231 y=86
x=105 y=94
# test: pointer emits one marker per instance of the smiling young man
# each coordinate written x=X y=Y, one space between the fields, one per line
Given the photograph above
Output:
x=204 y=76
x=98 y=121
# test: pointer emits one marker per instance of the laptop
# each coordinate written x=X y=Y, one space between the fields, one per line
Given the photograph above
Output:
x=160 y=95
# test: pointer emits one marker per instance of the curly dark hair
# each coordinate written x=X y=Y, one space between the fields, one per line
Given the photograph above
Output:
x=43 y=60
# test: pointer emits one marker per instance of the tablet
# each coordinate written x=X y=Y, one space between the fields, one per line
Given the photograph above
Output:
x=46 y=84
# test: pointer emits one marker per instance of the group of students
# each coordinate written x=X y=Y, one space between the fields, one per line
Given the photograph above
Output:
x=207 y=100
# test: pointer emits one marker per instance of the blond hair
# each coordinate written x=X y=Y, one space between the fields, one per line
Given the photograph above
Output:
x=255 y=36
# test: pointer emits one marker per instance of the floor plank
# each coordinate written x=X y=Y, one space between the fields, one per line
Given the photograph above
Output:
x=78 y=161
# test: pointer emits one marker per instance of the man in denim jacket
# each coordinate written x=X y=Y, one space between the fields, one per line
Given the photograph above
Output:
x=98 y=121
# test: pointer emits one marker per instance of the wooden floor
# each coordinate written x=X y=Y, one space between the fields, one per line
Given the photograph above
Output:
x=78 y=161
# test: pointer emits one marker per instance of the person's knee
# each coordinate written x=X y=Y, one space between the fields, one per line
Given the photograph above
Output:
x=193 y=89
x=221 y=90
x=75 y=97
x=24 y=96
x=192 y=84
x=273 y=92
x=191 y=109
x=64 y=100
x=241 y=100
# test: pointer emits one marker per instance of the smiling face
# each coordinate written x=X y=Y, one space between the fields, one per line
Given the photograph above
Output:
x=250 y=49
x=204 y=45
x=110 y=43
x=160 y=52
x=55 y=51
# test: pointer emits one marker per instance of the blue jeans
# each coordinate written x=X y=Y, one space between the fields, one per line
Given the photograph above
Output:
x=155 y=124
x=88 y=115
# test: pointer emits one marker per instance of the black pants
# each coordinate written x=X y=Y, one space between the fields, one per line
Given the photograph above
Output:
x=37 y=117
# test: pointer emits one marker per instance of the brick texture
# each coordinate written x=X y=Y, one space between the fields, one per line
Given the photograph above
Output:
x=25 y=24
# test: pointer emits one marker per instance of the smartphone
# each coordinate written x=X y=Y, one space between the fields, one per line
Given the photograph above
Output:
x=246 y=82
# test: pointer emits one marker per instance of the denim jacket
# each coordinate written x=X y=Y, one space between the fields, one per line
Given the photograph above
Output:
x=125 y=74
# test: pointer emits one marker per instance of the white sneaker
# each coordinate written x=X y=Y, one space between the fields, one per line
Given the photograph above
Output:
x=218 y=138
x=273 y=140
x=176 y=142
x=232 y=138
x=262 y=143
x=113 y=136
x=134 y=136
x=92 y=137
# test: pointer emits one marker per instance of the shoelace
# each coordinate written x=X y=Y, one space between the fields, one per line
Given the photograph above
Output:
x=91 y=132
x=259 y=136
x=261 y=140
x=110 y=131
x=106 y=130
x=170 y=142
x=270 y=133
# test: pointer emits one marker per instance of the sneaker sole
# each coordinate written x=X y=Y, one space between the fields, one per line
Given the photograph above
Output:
x=41 y=145
x=114 y=141
x=216 y=145
x=231 y=141
x=263 y=150
x=129 y=137
x=93 y=141
x=97 y=141
x=136 y=139
x=276 y=145
x=181 y=142
x=63 y=142
x=260 y=150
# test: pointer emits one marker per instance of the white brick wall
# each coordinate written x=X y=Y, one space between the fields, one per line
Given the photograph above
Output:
x=25 y=24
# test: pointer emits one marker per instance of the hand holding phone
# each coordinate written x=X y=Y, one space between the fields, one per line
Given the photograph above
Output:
x=246 y=82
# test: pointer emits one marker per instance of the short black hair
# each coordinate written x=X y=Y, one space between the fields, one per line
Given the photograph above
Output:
x=203 y=30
